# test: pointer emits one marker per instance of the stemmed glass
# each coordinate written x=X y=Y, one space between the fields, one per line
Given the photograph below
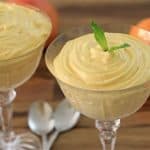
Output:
x=106 y=107
x=17 y=66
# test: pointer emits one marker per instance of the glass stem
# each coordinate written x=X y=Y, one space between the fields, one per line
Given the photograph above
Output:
x=6 y=112
x=108 y=130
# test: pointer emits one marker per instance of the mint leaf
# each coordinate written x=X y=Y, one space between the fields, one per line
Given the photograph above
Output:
x=99 y=36
x=125 y=45
x=101 y=39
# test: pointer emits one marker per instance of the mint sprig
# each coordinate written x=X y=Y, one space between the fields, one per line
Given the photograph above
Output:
x=99 y=35
x=113 y=48
x=101 y=39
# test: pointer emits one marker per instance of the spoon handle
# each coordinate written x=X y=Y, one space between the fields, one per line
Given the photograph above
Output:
x=44 y=142
x=52 y=139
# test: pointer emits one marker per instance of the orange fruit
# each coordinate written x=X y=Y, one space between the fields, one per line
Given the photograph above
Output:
x=145 y=24
x=142 y=30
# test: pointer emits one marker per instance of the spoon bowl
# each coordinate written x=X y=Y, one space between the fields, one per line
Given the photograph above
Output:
x=40 y=120
x=66 y=117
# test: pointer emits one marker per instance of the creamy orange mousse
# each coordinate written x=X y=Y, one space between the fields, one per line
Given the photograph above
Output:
x=21 y=30
x=82 y=63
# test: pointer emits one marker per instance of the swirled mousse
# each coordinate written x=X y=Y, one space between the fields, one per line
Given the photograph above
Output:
x=21 y=30
x=23 y=33
x=83 y=63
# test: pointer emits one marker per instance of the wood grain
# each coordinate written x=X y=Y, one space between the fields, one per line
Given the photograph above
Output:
x=135 y=131
x=68 y=3
x=76 y=15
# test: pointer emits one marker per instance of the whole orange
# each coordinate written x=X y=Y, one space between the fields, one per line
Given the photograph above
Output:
x=142 y=30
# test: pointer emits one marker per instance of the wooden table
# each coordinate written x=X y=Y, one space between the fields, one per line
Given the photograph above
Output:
x=134 y=133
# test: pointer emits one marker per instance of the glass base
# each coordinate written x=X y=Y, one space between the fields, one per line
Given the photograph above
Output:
x=107 y=133
x=25 y=141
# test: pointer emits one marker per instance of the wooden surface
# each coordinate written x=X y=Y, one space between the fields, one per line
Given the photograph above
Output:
x=134 y=133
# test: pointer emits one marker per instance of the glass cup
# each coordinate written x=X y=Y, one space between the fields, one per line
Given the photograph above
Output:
x=106 y=107
x=13 y=73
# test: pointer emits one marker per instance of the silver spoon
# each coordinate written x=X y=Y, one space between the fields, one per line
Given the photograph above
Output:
x=65 y=119
x=40 y=120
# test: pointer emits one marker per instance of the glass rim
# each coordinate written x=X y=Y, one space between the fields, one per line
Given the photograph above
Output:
x=32 y=50
x=144 y=85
